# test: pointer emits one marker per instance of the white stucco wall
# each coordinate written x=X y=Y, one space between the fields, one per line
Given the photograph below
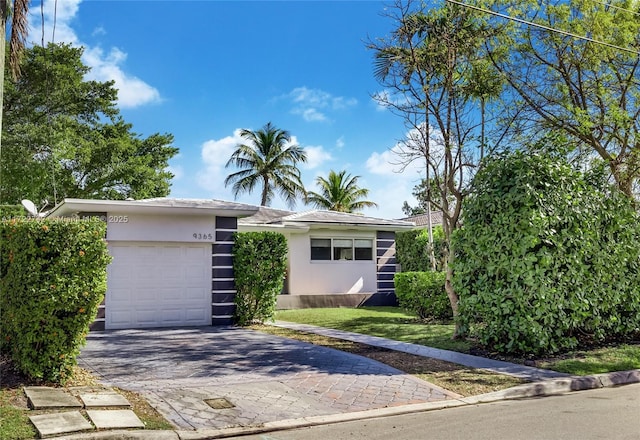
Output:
x=165 y=228
x=308 y=277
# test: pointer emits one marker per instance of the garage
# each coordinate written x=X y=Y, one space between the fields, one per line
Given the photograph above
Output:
x=158 y=285
x=172 y=264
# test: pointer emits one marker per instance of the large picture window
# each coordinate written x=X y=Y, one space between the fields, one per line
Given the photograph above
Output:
x=341 y=249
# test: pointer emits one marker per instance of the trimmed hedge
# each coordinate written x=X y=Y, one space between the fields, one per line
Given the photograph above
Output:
x=412 y=249
x=423 y=294
x=548 y=258
x=260 y=267
x=52 y=279
x=8 y=212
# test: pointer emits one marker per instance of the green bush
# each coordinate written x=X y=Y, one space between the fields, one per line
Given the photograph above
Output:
x=259 y=265
x=52 y=279
x=412 y=249
x=548 y=258
x=8 y=212
x=423 y=294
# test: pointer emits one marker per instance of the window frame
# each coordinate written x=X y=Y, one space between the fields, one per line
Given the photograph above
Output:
x=343 y=253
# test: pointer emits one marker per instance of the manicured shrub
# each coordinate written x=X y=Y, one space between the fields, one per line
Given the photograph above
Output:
x=548 y=258
x=52 y=279
x=412 y=249
x=423 y=294
x=8 y=212
x=259 y=265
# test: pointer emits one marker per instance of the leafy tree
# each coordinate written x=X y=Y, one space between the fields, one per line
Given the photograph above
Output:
x=423 y=194
x=339 y=192
x=548 y=258
x=588 y=90
x=268 y=160
x=426 y=66
x=64 y=137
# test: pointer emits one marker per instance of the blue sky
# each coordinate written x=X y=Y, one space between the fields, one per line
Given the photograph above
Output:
x=202 y=70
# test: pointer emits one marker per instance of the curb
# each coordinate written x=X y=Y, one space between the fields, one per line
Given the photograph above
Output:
x=536 y=389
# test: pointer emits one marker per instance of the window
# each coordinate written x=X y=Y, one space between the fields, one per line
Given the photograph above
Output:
x=342 y=249
x=363 y=249
x=321 y=249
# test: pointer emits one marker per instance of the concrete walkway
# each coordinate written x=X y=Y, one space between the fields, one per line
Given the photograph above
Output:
x=530 y=374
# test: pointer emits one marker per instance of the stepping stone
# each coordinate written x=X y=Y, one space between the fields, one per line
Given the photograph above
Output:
x=59 y=423
x=50 y=398
x=114 y=418
x=104 y=399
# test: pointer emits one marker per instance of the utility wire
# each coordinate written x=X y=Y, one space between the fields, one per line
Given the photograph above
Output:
x=609 y=5
x=547 y=28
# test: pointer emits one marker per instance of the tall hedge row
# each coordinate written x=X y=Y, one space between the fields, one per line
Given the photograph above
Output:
x=52 y=279
x=548 y=258
x=412 y=249
x=423 y=294
x=260 y=267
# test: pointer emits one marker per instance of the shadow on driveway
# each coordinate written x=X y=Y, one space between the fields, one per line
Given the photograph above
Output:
x=212 y=352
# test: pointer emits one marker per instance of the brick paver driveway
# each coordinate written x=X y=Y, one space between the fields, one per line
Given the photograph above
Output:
x=265 y=378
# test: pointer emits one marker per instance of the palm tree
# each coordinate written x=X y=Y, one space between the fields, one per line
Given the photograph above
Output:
x=19 y=30
x=267 y=159
x=339 y=192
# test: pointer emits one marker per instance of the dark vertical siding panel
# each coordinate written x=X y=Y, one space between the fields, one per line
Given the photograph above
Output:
x=222 y=280
x=385 y=261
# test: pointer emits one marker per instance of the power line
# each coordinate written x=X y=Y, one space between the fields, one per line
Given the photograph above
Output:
x=609 y=5
x=547 y=28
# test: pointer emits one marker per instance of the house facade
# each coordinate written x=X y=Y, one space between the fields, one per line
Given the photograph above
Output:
x=335 y=259
x=172 y=258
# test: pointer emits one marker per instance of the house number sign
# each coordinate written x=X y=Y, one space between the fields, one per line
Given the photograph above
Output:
x=205 y=236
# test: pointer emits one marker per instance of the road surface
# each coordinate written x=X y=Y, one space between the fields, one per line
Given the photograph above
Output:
x=607 y=413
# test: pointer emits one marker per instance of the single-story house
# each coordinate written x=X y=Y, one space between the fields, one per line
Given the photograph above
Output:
x=172 y=260
x=332 y=254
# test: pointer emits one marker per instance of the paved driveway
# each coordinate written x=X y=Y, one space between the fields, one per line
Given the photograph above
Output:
x=262 y=377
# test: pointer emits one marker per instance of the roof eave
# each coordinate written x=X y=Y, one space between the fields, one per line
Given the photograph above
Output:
x=72 y=206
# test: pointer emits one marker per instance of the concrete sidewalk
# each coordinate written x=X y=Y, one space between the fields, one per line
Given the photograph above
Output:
x=276 y=383
x=530 y=374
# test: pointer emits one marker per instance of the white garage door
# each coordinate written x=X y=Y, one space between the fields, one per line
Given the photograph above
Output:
x=158 y=285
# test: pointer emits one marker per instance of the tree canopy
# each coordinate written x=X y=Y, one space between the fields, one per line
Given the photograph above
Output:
x=339 y=192
x=575 y=71
x=269 y=160
x=63 y=136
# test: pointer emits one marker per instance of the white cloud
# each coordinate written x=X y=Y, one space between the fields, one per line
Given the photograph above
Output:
x=386 y=163
x=316 y=156
x=215 y=154
x=313 y=104
x=310 y=114
x=340 y=142
x=132 y=91
x=99 y=31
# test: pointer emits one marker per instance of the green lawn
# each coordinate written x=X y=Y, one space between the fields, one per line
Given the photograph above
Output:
x=601 y=360
x=394 y=323
x=386 y=322
x=14 y=422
